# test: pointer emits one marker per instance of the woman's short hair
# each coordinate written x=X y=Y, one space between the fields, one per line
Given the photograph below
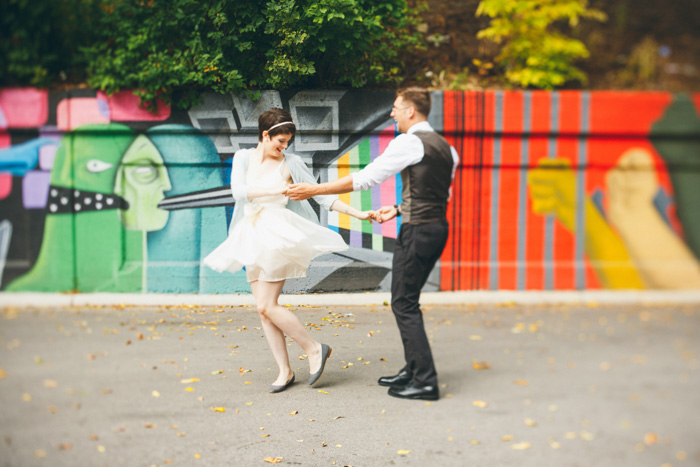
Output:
x=418 y=97
x=273 y=118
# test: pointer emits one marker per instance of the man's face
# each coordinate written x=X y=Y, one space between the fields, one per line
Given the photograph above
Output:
x=401 y=113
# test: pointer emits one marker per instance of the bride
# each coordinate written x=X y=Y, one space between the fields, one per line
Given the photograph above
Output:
x=275 y=239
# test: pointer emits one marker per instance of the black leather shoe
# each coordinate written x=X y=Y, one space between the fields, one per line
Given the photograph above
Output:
x=397 y=381
x=412 y=391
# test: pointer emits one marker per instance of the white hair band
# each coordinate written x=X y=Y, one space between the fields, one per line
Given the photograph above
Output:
x=280 y=124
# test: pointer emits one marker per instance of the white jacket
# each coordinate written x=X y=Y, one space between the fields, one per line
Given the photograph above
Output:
x=299 y=172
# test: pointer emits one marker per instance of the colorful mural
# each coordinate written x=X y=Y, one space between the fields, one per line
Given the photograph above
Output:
x=555 y=190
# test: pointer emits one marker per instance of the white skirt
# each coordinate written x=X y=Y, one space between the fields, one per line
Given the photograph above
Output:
x=273 y=243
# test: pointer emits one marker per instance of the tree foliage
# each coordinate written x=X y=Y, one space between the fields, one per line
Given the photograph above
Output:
x=535 y=53
x=40 y=39
x=175 y=49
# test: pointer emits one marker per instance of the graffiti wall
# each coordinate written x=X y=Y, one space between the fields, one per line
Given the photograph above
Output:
x=555 y=191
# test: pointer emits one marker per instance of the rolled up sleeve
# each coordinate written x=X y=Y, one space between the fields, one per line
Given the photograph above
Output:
x=404 y=150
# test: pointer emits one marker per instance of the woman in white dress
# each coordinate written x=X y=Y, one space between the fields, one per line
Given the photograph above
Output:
x=276 y=239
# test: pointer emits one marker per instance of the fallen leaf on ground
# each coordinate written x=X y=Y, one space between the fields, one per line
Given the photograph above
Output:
x=521 y=382
x=273 y=460
x=650 y=438
x=530 y=422
x=481 y=365
x=50 y=383
x=155 y=393
x=219 y=409
x=521 y=446
x=403 y=452
x=294 y=412
x=3 y=373
x=189 y=380
x=322 y=391
x=481 y=404
x=507 y=438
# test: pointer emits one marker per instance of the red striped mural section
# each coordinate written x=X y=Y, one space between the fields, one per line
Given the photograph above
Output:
x=531 y=251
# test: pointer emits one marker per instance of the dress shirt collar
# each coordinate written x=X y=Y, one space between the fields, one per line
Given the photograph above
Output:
x=420 y=126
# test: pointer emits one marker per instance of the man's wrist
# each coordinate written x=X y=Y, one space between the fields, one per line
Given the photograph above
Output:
x=398 y=210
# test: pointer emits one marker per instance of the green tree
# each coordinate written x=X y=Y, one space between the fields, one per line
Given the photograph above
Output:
x=535 y=53
x=176 y=49
x=40 y=40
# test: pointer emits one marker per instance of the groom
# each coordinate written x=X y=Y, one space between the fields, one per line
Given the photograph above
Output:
x=427 y=165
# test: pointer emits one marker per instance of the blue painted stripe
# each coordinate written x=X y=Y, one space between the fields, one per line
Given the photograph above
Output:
x=399 y=189
x=522 y=198
x=549 y=220
x=579 y=241
x=495 y=191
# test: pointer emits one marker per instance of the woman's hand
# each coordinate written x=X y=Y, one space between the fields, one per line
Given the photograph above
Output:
x=366 y=216
x=385 y=213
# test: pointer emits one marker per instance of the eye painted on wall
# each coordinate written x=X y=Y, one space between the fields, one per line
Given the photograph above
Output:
x=97 y=166
x=142 y=171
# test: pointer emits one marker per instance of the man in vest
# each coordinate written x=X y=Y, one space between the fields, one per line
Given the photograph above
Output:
x=427 y=164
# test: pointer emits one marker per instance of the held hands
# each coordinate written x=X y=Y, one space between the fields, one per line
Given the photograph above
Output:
x=385 y=213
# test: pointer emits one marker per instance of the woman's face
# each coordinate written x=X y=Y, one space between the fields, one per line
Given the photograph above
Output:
x=276 y=144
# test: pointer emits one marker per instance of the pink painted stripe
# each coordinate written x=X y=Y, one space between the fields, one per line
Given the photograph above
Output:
x=388 y=188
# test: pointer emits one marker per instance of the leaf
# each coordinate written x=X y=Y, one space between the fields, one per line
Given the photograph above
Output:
x=189 y=380
x=155 y=393
x=50 y=383
x=322 y=391
x=273 y=460
x=403 y=452
x=521 y=382
x=521 y=446
x=481 y=404
x=294 y=412
x=218 y=409
x=481 y=365
x=530 y=422
x=651 y=438
x=3 y=373
x=507 y=438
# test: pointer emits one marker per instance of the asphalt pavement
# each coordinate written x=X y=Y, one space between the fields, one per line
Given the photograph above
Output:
x=594 y=384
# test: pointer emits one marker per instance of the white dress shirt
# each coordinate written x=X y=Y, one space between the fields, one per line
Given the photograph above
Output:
x=404 y=150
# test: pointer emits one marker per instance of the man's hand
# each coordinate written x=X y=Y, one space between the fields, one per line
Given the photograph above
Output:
x=385 y=213
x=301 y=191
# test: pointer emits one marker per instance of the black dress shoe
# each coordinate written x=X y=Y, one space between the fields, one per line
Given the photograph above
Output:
x=397 y=381
x=412 y=391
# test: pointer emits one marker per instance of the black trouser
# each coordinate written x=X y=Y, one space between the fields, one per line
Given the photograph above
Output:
x=418 y=248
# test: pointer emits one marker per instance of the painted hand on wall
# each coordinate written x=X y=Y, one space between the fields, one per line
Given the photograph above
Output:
x=663 y=259
x=553 y=189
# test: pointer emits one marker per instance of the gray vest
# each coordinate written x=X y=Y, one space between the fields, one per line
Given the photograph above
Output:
x=426 y=185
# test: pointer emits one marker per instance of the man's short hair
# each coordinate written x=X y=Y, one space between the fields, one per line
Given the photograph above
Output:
x=418 y=97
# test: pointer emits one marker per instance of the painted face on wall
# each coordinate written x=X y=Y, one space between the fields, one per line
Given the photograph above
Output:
x=142 y=180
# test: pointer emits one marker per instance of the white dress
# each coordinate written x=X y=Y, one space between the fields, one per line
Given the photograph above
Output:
x=272 y=242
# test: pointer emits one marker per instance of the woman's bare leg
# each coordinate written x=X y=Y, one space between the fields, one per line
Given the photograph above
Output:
x=280 y=321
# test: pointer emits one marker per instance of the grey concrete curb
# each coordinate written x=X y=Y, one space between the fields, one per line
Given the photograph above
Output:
x=36 y=299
